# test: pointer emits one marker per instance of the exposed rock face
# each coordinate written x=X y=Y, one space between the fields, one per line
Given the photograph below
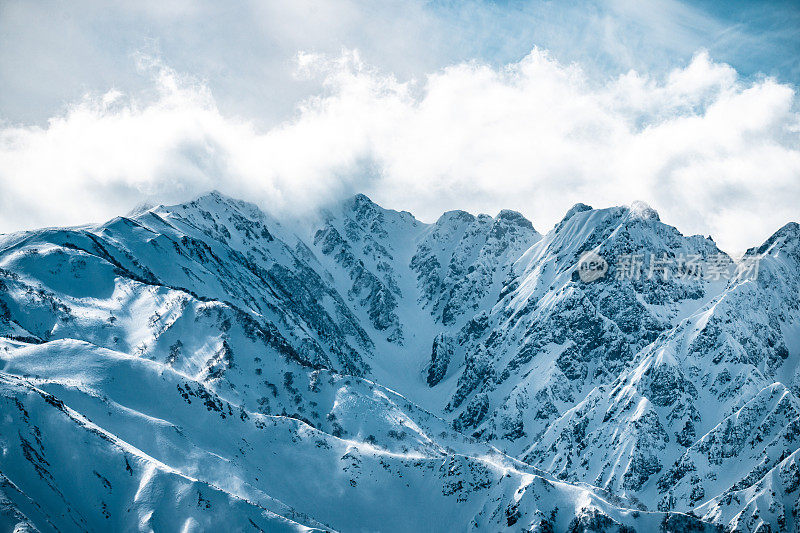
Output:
x=210 y=352
x=463 y=259
x=441 y=354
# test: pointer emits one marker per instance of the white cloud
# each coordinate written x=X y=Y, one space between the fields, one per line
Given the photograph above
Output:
x=715 y=154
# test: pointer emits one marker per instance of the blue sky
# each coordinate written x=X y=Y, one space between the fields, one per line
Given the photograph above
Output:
x=425 y=106
x=53 y=51
x=754 y=37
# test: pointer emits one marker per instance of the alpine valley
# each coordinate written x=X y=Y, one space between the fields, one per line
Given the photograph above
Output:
x=206 y=367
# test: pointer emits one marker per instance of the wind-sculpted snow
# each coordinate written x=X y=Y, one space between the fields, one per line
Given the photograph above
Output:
x=205 y=366
x=181 y=438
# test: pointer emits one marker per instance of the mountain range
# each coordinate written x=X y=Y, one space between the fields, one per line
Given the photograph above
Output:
x=206 y=366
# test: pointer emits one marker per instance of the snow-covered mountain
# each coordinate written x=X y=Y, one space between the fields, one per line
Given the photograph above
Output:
x=206 y=367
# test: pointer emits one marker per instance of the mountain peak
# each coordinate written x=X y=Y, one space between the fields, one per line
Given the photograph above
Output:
x=642 y=211
x=213 y=196
x=787 y=234
x=140 y=208
x=216 y=200
x=516 y=218
x=361 y=199
x=577 y=208
x=455 y=215
x=362 y=203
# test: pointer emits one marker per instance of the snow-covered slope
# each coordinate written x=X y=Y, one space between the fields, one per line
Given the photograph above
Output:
x=204 y=365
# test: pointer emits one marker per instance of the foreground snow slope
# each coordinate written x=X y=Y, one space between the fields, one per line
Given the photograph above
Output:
x=203 y=364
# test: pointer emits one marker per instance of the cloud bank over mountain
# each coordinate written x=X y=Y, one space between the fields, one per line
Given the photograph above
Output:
x=716 y=153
